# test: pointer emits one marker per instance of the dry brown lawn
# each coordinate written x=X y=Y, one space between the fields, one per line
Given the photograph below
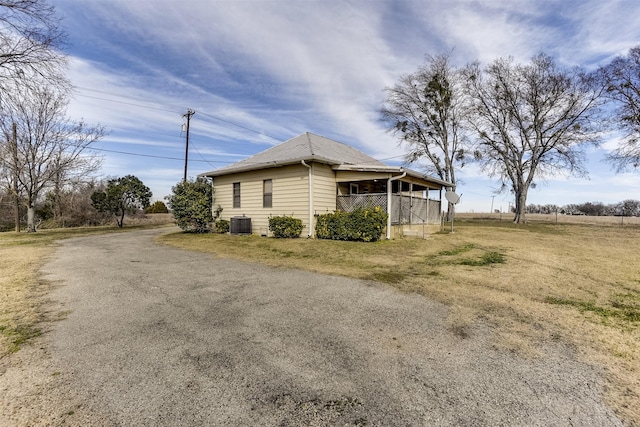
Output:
x=535 y=283
x=21 y=294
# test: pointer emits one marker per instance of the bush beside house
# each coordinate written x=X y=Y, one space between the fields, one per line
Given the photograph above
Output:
x=191 y=204
x=285 y=226
x=222 y=226
x=363 y=225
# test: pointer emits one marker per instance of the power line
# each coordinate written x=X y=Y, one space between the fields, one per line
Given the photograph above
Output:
x=153 y=156
x=202 y=157
x=241 y=126
x=127 y=103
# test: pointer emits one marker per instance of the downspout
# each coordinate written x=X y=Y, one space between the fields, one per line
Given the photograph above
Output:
x=310 y=197
x=393 y=178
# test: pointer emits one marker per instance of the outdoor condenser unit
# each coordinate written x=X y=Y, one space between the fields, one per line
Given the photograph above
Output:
x=240 y=225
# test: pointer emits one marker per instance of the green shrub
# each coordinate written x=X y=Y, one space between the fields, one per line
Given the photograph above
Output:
x=191 y=203
x=157 y=207
x=285 y=226
x=363 y=225
x=222 y=226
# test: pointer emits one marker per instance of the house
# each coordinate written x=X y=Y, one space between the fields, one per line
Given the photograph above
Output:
x=311 y=175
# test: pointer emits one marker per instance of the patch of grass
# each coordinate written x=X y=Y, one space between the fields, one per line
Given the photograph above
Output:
x=388 y=276
x=487 y=258
x=20 y=335
x=457 y=250
x=619 y=310
x=479 y=256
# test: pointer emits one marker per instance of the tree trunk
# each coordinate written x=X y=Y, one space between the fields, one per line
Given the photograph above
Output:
x=521 y=206
x=31 y=218
x=15 y=178
x=451 y=211
x=16 y=212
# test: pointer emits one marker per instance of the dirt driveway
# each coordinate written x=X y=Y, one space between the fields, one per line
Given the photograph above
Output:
x=157 y=336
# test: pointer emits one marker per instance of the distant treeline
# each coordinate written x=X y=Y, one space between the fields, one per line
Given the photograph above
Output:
x=625 y=208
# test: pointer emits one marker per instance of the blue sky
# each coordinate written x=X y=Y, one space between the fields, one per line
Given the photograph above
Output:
x=259 y=72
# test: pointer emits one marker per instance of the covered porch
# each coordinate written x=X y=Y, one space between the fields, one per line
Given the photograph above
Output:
x=412 y=200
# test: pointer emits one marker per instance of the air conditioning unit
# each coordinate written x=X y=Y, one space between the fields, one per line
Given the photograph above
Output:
x=240 y=225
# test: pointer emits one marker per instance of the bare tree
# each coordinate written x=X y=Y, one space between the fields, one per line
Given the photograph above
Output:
x=531 y=121
x=31 y=40
x=50 y=150
x=426 y=110
x=622 y=80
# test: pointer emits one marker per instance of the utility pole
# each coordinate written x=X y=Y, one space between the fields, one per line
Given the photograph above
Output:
x=15 y=176
x=188 y=115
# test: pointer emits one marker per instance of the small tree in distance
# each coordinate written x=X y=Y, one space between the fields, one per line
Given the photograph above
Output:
x=122 y=195
x=157 y=207
x=191 y=203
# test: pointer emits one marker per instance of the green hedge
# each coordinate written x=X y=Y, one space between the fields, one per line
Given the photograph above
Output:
x=222 y=226
x=363 y=225
x=157 y=207
x=285 y=226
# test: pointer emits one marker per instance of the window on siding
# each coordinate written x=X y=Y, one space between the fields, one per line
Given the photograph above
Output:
x=267 y=193
x=236 y=194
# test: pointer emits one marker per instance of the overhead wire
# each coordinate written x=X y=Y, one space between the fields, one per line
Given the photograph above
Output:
x=153 y=156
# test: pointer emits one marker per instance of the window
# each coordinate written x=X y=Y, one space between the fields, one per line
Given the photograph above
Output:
x=236 y=194
x=267 y=193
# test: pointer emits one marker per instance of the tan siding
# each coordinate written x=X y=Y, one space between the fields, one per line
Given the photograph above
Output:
x=324 y=189
x=290 y=195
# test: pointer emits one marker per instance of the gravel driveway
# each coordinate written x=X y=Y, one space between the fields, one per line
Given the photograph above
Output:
x=161 y=336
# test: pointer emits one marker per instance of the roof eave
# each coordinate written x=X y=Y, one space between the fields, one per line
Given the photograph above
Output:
x=429 y=178
x=398 y=170
x=265 y=165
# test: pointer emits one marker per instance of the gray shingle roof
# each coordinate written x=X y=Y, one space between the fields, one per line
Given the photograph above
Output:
x=308 y=147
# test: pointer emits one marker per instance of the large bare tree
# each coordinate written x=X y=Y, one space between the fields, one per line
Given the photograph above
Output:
x=622 y=80
x=48 y=150
x=532 y=121
x=31 y=56
x=426 y=109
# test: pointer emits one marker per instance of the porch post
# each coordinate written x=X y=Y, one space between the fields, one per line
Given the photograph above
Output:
x=391 y=179
x=411 y=203
x=389 y=209
x=310 y=199
x=427 y=214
